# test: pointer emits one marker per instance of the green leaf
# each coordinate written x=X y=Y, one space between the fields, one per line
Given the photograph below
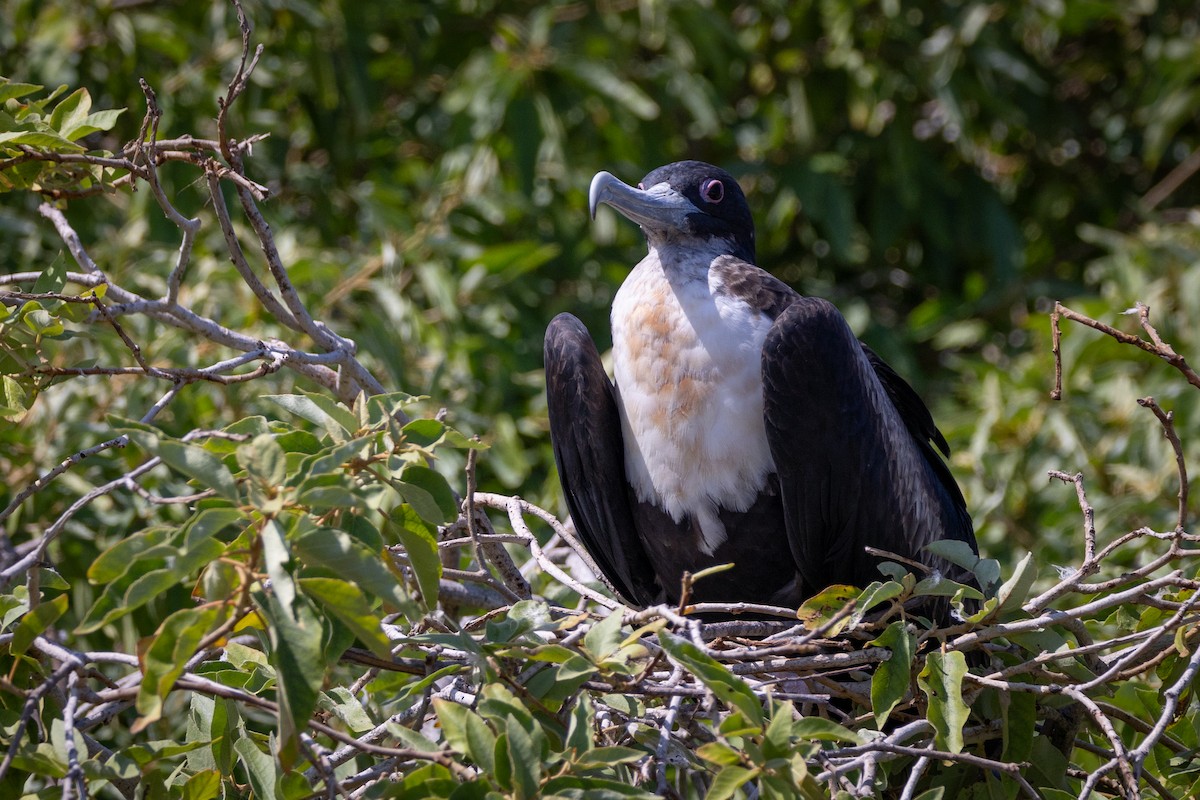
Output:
x=579 y=726
x=608 y=756
x=96 y=121
x=53 y=277
x=296 y=638
x=325 y=412
x=260 y=768
x=891 y=680
x=208 y=522
x=941 y=681
x=204 y=785
x=174 y=643
x=575 y=787
x=277 y=558
x=729 y=780
x=200 y=465
x=719 y=753
x=319 y=468
x=1018 y=711
x=384 y=407
x=144 y=589
x=410 y=738
x=347 y=602
x=822 y=607
x=420 y=544
x=876 y=593
x=42 y=139
x=603 y=638
x=435 y=487
x=823 y=730
x=424 y=432
x=264 y=460
x=955 y=551
x=212 y=719
x=347 y=557
x=71 y=110
x=715 y=675
x=34 y=623
x=14 y=401
x=11 y=89
x=144 y=753
x=525 y=760
x=467 y=733
x=777 y=738
x=1016 y=589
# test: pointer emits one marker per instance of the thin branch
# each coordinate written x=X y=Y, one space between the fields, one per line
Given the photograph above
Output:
x=1155 y=347
x=1167 y=419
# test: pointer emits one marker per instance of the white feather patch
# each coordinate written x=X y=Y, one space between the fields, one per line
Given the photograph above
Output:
x=687 y=362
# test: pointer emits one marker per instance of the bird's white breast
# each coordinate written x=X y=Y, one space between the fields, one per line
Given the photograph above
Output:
x=687 y=362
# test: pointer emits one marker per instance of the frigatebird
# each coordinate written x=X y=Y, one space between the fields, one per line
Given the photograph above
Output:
x=745 y=424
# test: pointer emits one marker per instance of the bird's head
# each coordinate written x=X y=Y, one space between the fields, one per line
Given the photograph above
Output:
x=685 y=203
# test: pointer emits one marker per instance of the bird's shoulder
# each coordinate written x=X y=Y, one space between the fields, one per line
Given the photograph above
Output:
x=751 y=284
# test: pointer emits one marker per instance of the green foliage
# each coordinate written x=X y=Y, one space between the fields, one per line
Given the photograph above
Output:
x=232 y=557
x=34 y=123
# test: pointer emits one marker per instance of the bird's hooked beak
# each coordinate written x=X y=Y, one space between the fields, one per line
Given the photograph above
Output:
x=657 y=208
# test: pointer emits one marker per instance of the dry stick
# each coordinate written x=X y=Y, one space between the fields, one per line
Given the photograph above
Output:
x=353 y=377
x=190 y=226
x=1171 y=702
x=35 y=554
x=316 y=756
x=237 y=84
x=39 y=548
x=664 y=732
x=914 y=775
x=1156 y=347
x=1121 y=757
x=492 y=551
x=1171 y=743
x=32 y=702
x=1167 y=419
x=206 y=686
x=991 y=632
x=75 y=780
x=514 y=506
x=265 y=296
x=45 y=479
x=1119 y=665
x=134 y=171
x=560 y=530
x=74 y=661
x=1090 y=564
x=1178 y=176
x=178 y=316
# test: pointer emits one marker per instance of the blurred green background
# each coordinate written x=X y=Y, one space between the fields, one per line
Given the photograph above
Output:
x=941 y=171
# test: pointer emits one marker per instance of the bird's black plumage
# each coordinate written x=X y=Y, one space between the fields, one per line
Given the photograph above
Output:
x=747 y=424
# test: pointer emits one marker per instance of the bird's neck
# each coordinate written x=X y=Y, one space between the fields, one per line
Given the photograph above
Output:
x=691 y=258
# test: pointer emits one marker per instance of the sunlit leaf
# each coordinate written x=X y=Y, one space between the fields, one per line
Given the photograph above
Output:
x=891 y=680
x=941 y=681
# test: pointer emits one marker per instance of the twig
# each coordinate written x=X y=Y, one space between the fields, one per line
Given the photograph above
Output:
x=1156 y=347
x=1167 y=419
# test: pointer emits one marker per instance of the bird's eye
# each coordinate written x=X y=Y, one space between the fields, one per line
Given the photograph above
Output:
x=713 y=191
x=640 y=186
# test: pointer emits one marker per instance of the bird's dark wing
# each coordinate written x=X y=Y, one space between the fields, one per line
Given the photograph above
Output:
x=585 y=430
x=852 y=451
x=920 y=424
x=912 y=408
